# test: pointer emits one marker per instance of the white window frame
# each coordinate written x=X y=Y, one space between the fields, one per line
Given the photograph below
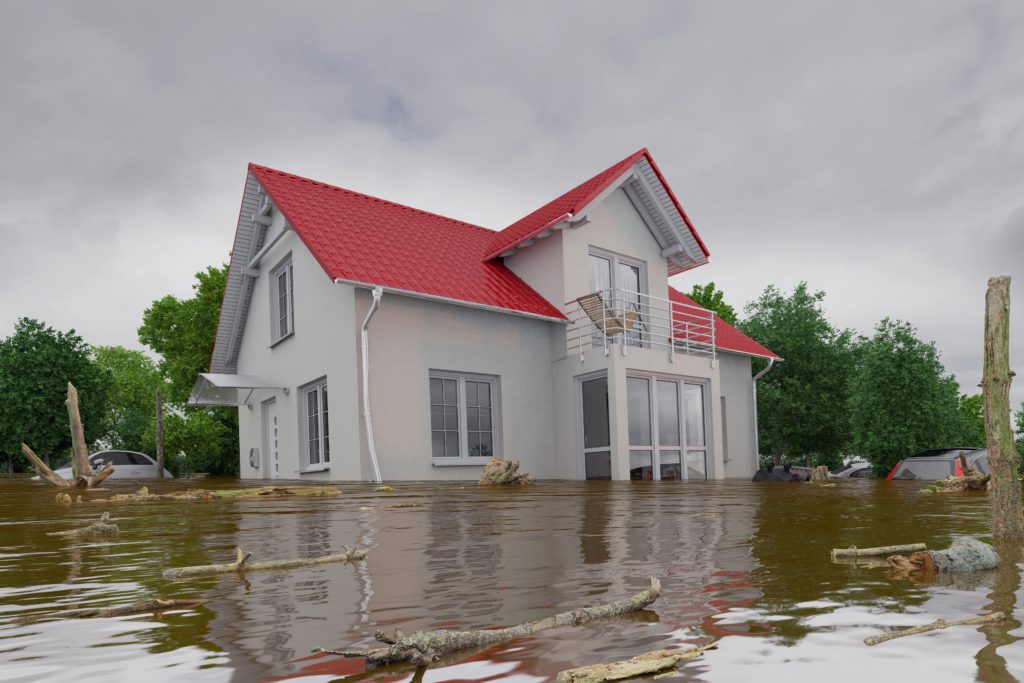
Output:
x=286 y=269
x=655 y=448
x=323 y=427
x=636 y=337
x=464 y=458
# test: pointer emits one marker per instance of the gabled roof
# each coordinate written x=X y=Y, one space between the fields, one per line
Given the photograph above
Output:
x=365 y=240
x=727 y=337
x=655 y=190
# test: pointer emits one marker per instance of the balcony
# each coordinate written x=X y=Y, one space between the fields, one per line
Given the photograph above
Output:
x=615 y=317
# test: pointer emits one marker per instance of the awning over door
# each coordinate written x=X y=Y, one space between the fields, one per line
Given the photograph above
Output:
x=213 y=389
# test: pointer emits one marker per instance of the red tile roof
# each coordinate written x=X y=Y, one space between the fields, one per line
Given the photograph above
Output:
x=363 y=239
x=727 y=337
x=574 y=201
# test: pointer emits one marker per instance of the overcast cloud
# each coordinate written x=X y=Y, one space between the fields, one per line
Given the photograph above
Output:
x=874 y=149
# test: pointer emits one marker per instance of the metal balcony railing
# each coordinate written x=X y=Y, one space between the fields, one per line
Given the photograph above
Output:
x=611 y=317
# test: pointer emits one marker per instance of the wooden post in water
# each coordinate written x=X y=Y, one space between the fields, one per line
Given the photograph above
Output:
x=1003 y=459
x=159 y=434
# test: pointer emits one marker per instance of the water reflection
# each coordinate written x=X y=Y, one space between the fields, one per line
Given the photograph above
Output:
x=743 y=564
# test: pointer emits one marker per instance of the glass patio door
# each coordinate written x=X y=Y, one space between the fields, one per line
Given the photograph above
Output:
x=667 y=435
x=597 y=454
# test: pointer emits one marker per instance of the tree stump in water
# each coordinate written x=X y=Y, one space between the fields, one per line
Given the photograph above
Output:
x=498 y=472
x=819 y=474
x=963 y=555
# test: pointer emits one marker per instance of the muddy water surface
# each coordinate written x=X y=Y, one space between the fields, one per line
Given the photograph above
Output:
x=742 y=564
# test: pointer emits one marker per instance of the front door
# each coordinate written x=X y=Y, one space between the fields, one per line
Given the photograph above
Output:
x=597 y=454
x=270 y=439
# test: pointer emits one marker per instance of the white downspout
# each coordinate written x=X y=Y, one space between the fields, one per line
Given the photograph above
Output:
x=377 y=294
x=757 y=444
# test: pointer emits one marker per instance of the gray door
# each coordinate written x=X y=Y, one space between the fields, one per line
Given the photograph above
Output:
x=597 y=454
x=270 y=439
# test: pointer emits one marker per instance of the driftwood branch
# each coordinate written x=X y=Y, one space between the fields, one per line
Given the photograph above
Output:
x=641 y=665
x=934 y=626
x=81 y=470
x=43 y=470
x=102 y=528
x=242 y=564
x=143 y=495
x=877 y=552
x=149 y=606
x=426 y=647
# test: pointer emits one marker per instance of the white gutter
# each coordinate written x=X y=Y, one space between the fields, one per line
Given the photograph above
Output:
x=377 y=294
x=757 y=445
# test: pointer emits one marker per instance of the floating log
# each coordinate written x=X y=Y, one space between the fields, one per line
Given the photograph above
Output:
x=934 y=626
x=242 y=564
x=498 y=472
x=423 y=648
x=965 y=554
x=149 y=606
x=641 y=665
x=102 y=528
x=853 y=551
x=143 y=495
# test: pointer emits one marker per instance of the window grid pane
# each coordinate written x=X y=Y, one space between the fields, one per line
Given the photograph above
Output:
x=444 y=417
x=448 y=398
x=324 y=429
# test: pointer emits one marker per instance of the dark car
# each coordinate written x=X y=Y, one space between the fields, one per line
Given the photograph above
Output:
x=939 y=463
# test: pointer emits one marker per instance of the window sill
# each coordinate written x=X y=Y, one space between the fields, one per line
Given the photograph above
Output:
x=459 y=462
x=314 y=470
x=281 y=339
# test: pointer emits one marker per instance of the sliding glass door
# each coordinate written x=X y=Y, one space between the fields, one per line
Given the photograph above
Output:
x=666 y=425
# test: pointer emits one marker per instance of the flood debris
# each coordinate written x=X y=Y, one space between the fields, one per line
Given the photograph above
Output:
x=423 y=648
x=854 y=551
x=971 y=480
x=964 y=554
x=641 y=665
x=62 y=499
x=154 y=606
x=936 y=625
x=143 y=495
x=83 y=474
x=500 y=472
x=392 y=506
x=242 y=564
x=99 y=529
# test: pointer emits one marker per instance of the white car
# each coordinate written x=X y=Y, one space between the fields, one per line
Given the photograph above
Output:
x=127 y=465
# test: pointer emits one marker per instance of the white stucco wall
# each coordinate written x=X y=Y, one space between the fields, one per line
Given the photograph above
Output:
x=737 y=389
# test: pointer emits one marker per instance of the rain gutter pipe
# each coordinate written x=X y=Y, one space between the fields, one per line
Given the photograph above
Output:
x=378 y=292
x=757 y=444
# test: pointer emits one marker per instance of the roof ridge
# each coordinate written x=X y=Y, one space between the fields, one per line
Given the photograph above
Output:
x=338 y=188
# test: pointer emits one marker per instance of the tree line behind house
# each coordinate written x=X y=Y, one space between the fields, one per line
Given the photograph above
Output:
x=837 y=394
x=117 y=388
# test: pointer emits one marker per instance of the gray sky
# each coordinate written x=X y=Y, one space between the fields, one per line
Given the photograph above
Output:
x=874 y=149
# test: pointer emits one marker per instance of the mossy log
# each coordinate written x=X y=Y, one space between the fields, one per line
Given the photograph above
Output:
x=242 y=564
x=642 y=665
x=100 y=529
x=423 y=648
x=965 y=554
x=143 y=495
x=498 y=472
x=148 y=607
x=877 y=552
x=993 y=618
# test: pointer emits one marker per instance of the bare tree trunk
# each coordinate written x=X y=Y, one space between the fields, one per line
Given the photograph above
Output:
x=159 y=435
x=43 y=470
x=80 y=466
x=778 y=455
x=1004 y=461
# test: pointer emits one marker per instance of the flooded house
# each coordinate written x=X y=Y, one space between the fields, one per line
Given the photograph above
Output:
x=365 y=340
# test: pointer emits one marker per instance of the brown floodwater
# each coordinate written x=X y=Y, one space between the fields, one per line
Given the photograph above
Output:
x=744 y=565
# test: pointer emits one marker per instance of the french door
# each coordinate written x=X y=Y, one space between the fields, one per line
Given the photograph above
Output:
x=624 y=280
x=667 y=435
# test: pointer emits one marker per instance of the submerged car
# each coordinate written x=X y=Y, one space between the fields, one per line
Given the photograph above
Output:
x=940 y=463
x=127 y=465
x=855 y=469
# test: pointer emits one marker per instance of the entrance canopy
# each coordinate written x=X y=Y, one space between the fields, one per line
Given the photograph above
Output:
x=213 y=389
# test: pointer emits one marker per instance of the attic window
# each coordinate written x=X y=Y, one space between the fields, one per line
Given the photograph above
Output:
x=282 y=301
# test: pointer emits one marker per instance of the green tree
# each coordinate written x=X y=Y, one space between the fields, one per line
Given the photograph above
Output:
x=713 y=299
x=972 y=421
x=183 y=332
x=801 y=403
x=901 y=400
x=36 y=364
x=1020 y=434
x=131 y=404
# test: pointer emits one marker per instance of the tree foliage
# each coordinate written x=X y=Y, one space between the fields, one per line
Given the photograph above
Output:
x=131 y=404
x=1020 y=433
x=901 y=400
x=36 y=364
x=972 y=421
x=183 y=332
x=801 y=403
x=713 y=299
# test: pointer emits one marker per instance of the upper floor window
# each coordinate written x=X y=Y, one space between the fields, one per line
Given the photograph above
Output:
x=282 y=300
x=463 y=417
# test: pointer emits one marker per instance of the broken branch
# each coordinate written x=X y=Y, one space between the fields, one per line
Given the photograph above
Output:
x=425 y=647
x=241 y=564
x=641 y=665
x=934 y=626
x=149 y=606
x=100 y=528
x=875 y=552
